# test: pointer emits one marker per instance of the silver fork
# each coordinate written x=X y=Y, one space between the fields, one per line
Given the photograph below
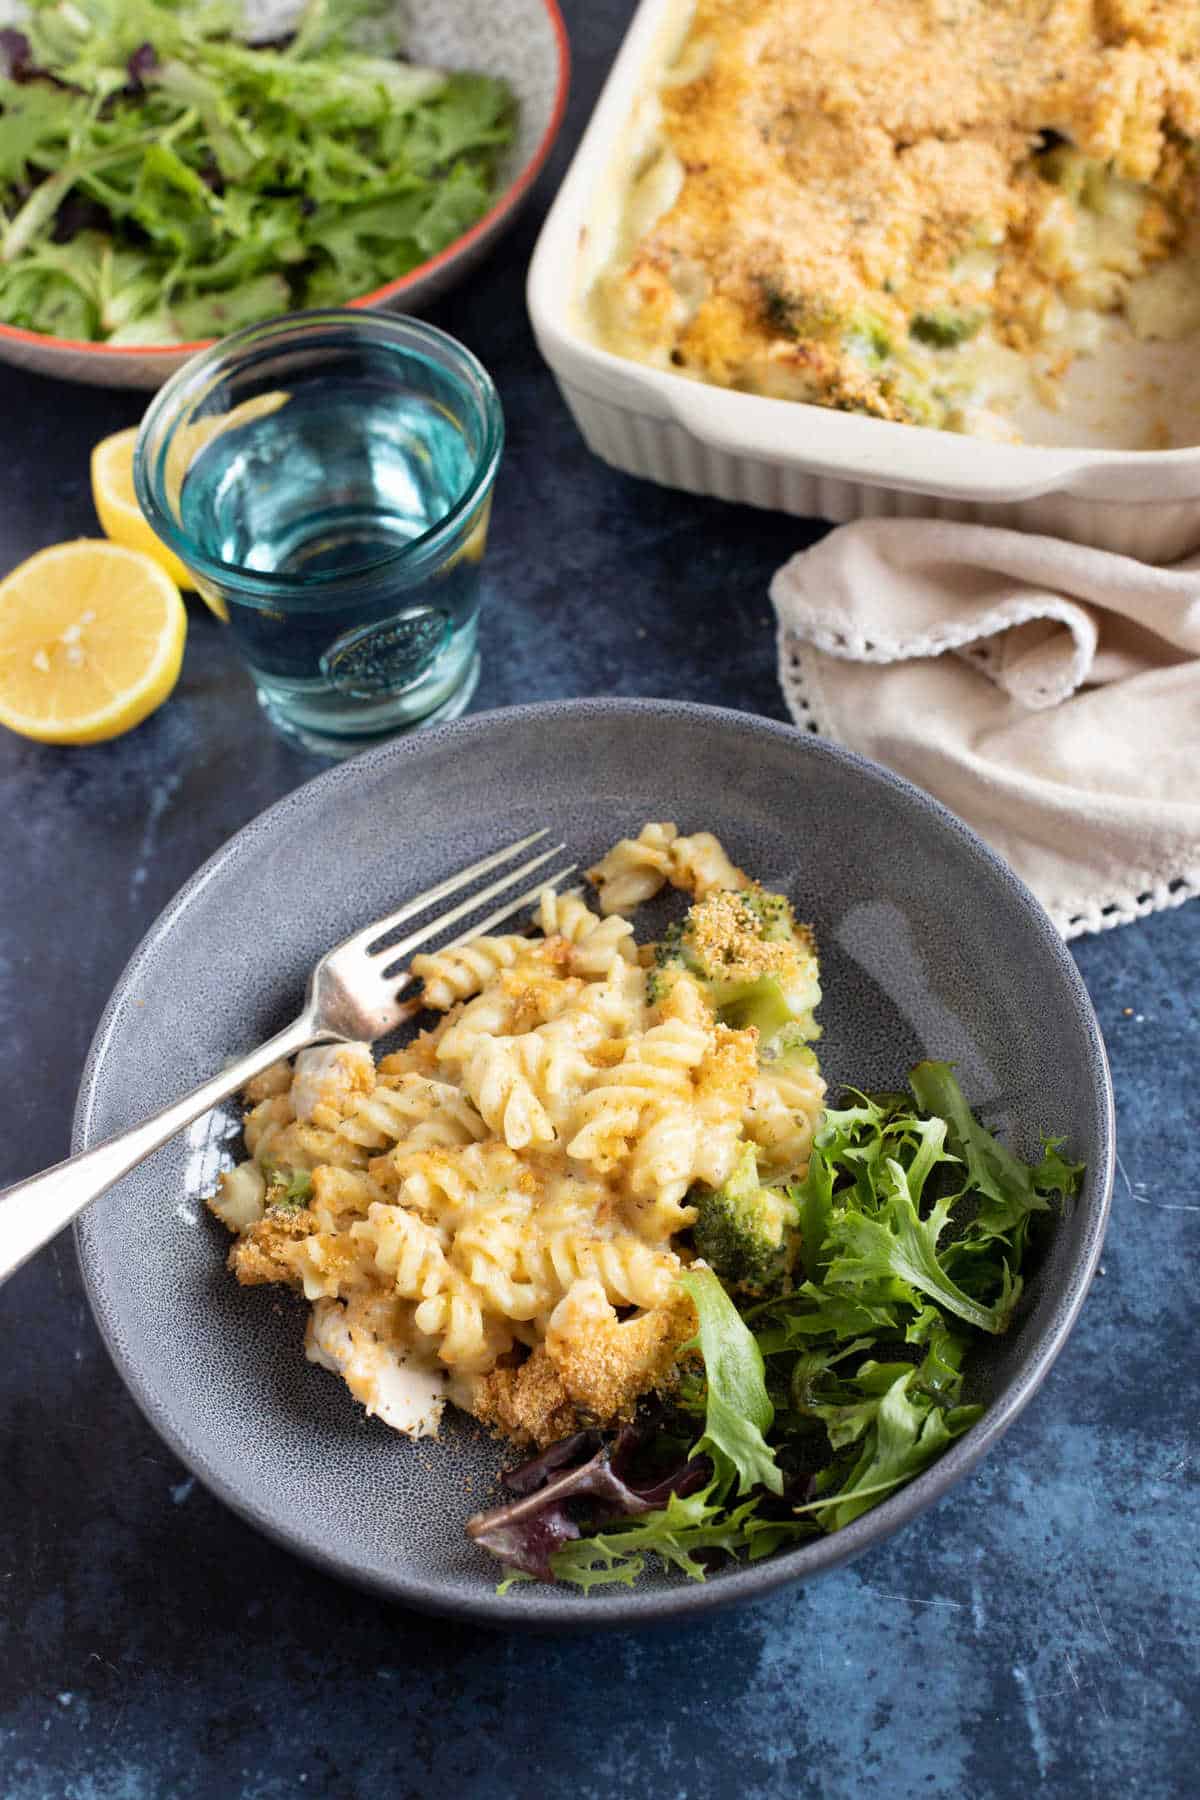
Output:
x=353 y=994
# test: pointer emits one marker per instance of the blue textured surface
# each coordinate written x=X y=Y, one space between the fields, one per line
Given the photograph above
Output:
x=1037 y=1630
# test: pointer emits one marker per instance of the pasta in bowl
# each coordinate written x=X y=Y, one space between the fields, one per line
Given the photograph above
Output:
x=493 y=1214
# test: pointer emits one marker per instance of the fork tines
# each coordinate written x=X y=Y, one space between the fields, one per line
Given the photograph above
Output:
x=371 y=939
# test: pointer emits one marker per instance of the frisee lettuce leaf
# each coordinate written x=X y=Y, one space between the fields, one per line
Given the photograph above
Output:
x=221 y=183
x=896 y=1242
x=905 y=1431
x=677 y=1534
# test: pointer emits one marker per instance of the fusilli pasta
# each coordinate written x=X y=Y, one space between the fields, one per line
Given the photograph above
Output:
x=509 y=1199
x=453 y=975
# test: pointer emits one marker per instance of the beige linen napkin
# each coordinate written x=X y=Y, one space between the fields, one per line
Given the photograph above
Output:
x=1047 y=693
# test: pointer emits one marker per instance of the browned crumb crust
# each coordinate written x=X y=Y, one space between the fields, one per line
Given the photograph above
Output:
x=527 y=1403
x=257 y=1257
x=595 y=1377
x=838 y=159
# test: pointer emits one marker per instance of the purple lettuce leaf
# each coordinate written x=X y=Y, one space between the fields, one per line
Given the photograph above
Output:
x=524 y=1533
x=16 y=55
x=142 y=62
x=527 y=1477
x=16 y=60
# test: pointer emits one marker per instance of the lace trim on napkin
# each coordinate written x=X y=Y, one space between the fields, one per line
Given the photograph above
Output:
x=977 y=641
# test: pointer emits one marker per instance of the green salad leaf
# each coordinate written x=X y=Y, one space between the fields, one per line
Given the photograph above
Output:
x=896 y=1242
x=902 y=1431
x=218 y=182
x=677 y=1533
x=1008 y=1189
x=738 y=1409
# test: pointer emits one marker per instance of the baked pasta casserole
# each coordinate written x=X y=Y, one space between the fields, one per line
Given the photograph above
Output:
x=907 y=209
x=499 y=1212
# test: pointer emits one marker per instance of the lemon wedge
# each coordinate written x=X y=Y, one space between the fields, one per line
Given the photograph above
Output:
x=115 y=497
x=121 y=518
x=91 y=641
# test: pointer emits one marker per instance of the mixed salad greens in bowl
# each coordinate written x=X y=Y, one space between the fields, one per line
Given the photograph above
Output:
x=168 y=173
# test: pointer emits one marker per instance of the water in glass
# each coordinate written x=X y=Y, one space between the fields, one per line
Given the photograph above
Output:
x=321 y=487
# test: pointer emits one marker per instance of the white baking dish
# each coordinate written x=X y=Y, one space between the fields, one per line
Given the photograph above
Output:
x=806 y=459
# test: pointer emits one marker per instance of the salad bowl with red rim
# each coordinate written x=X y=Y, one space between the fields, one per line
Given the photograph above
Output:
x=522 y=42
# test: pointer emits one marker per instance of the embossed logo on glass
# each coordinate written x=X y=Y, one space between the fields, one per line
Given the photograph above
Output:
x=389 y=657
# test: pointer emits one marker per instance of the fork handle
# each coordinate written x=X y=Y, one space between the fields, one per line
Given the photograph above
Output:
x=34 y=1211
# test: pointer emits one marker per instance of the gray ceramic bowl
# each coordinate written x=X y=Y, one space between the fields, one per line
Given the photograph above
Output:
x=929 y=946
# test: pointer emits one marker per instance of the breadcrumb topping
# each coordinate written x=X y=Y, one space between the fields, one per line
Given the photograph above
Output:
x=726 y=937
x=840 y=173
x=592 y=1365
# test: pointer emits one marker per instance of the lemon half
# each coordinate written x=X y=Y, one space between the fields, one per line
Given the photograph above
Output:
x=91 y=642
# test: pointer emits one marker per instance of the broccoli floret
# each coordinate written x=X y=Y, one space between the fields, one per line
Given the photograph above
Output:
x=744 y=1230
x=757 y=964
x=287 y=1189
x=943 y=329
x=793 y=1044
x=797 y=315
x=915 y=404
x=867 y=337
x=671 y=957
x=771 y=915
x=782 y=1000
x=761 y=1002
